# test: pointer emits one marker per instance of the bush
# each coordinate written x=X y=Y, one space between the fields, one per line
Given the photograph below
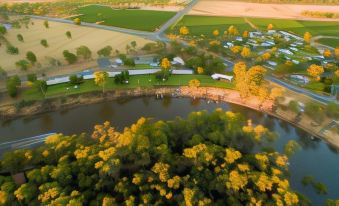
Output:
x=332 y=110
x=12 y=85
x=44 y=43
x=22 y=64
x=30 y=56
x=32 y=77
x=76 y=80
x=12 y=50
x=294 y=106
x=20 y=38
x=121 y=78
x=314 y=111
x=106 y=51
x=70 y=57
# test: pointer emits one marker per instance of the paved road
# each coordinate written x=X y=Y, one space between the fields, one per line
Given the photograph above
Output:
x=319 y=45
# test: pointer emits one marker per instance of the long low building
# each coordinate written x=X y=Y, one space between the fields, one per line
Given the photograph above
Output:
x=221 y=76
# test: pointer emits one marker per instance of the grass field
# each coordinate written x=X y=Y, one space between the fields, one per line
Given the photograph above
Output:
x=95 y=39
x=145 y=20
x=135 y=81
x=330 y=42
x=206 y=24
x=300 y=27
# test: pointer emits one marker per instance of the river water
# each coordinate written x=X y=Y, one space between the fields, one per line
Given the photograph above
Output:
x=315 y=158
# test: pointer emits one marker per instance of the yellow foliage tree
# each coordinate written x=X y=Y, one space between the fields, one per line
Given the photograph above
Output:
x=266 y=56
x=246 y=52
x=276 y=92
x=327 y=53
x=194 y=83
x=245 y=34
x=200 y=70
x=307 y=37
x=235 y=49
x=165 y=64
x=184 y=30
x=337 y=73
x=269 y=26
x=232 y=30
x=315 y=71
x=336 y=51
x=100 y=79
x=216 y=32
x=77 y=21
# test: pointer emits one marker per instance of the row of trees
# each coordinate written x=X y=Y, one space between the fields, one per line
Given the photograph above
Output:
x=206 y=159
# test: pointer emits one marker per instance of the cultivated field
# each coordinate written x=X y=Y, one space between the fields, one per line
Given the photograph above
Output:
x=206 y=24
x=95 y=39
x=146 y=20
x=236 y=8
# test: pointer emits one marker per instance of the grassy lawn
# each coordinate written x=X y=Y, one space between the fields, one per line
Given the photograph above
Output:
x=145 y=81
x=131 y=19
x=206 y=24
x=330 y=42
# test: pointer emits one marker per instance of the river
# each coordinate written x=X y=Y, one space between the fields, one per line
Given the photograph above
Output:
x=315 y=158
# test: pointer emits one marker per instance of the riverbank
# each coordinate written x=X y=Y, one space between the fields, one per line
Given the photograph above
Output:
x=216 y=94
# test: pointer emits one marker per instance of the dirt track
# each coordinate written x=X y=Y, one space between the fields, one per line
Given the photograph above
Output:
x=283 y=11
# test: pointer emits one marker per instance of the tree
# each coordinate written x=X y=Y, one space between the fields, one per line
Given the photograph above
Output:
x=276 y=92
x=68 y=34
x=100 y=79
x=22 y=64
x=291 y=147
x=315 y=71
x=200 y=70
x=84 y=52
x=12 y=85
x=134 y=44
x=336 y=51
x=307 y=37
x=194 y=83
x=122 y=78
x=269 y=26
x=235 y=49
x=75 y=79
x=3 y=29
x=184 y=30
x=266 y=56
x=106 y=51
x=245 y=34
x=12 y=50
x=165 y=64
x=32 y=77
x=20 y=37
x=246 y=52
x=44 y=43
x=46 y=24
x=314 y=111
x=232 y=30
x=216 y=32
x=30 y=56
x=332 y=110
x=327 y=53
x=294 y=106
x=41 y=86
x=70 y=57
x=77 y=21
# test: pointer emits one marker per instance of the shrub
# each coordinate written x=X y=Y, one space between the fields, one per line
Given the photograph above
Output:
x=22 y=64
x=76 y=80
x=12 y=50
x=44 y=43
x=20 y=38
x=70 y=57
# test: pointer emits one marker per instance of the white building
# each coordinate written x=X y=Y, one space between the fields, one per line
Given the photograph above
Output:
x=178 y=60
x=221 y=76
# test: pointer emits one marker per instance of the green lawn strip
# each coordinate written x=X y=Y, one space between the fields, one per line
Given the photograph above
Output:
x=145 y=20
x=142 y=66
x=329 y=42
x=206 y=24
x=145 y=81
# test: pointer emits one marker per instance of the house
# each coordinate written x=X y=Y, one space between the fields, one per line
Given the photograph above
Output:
x=272 y=63
x=285 y=51
x=300 y=78
x=178 y=60
x=228 y=45
x=295 y=61
x=293 y=48
x=239 y=38
x=118 y=61
x=222 y=77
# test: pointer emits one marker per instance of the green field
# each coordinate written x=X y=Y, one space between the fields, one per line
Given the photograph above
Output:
x=300 y=27
x=130 y=19
x=145 y=81
x=330 y=42
x=206 y=24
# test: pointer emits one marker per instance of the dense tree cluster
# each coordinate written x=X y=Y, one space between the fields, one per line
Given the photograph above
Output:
x=206 y=159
